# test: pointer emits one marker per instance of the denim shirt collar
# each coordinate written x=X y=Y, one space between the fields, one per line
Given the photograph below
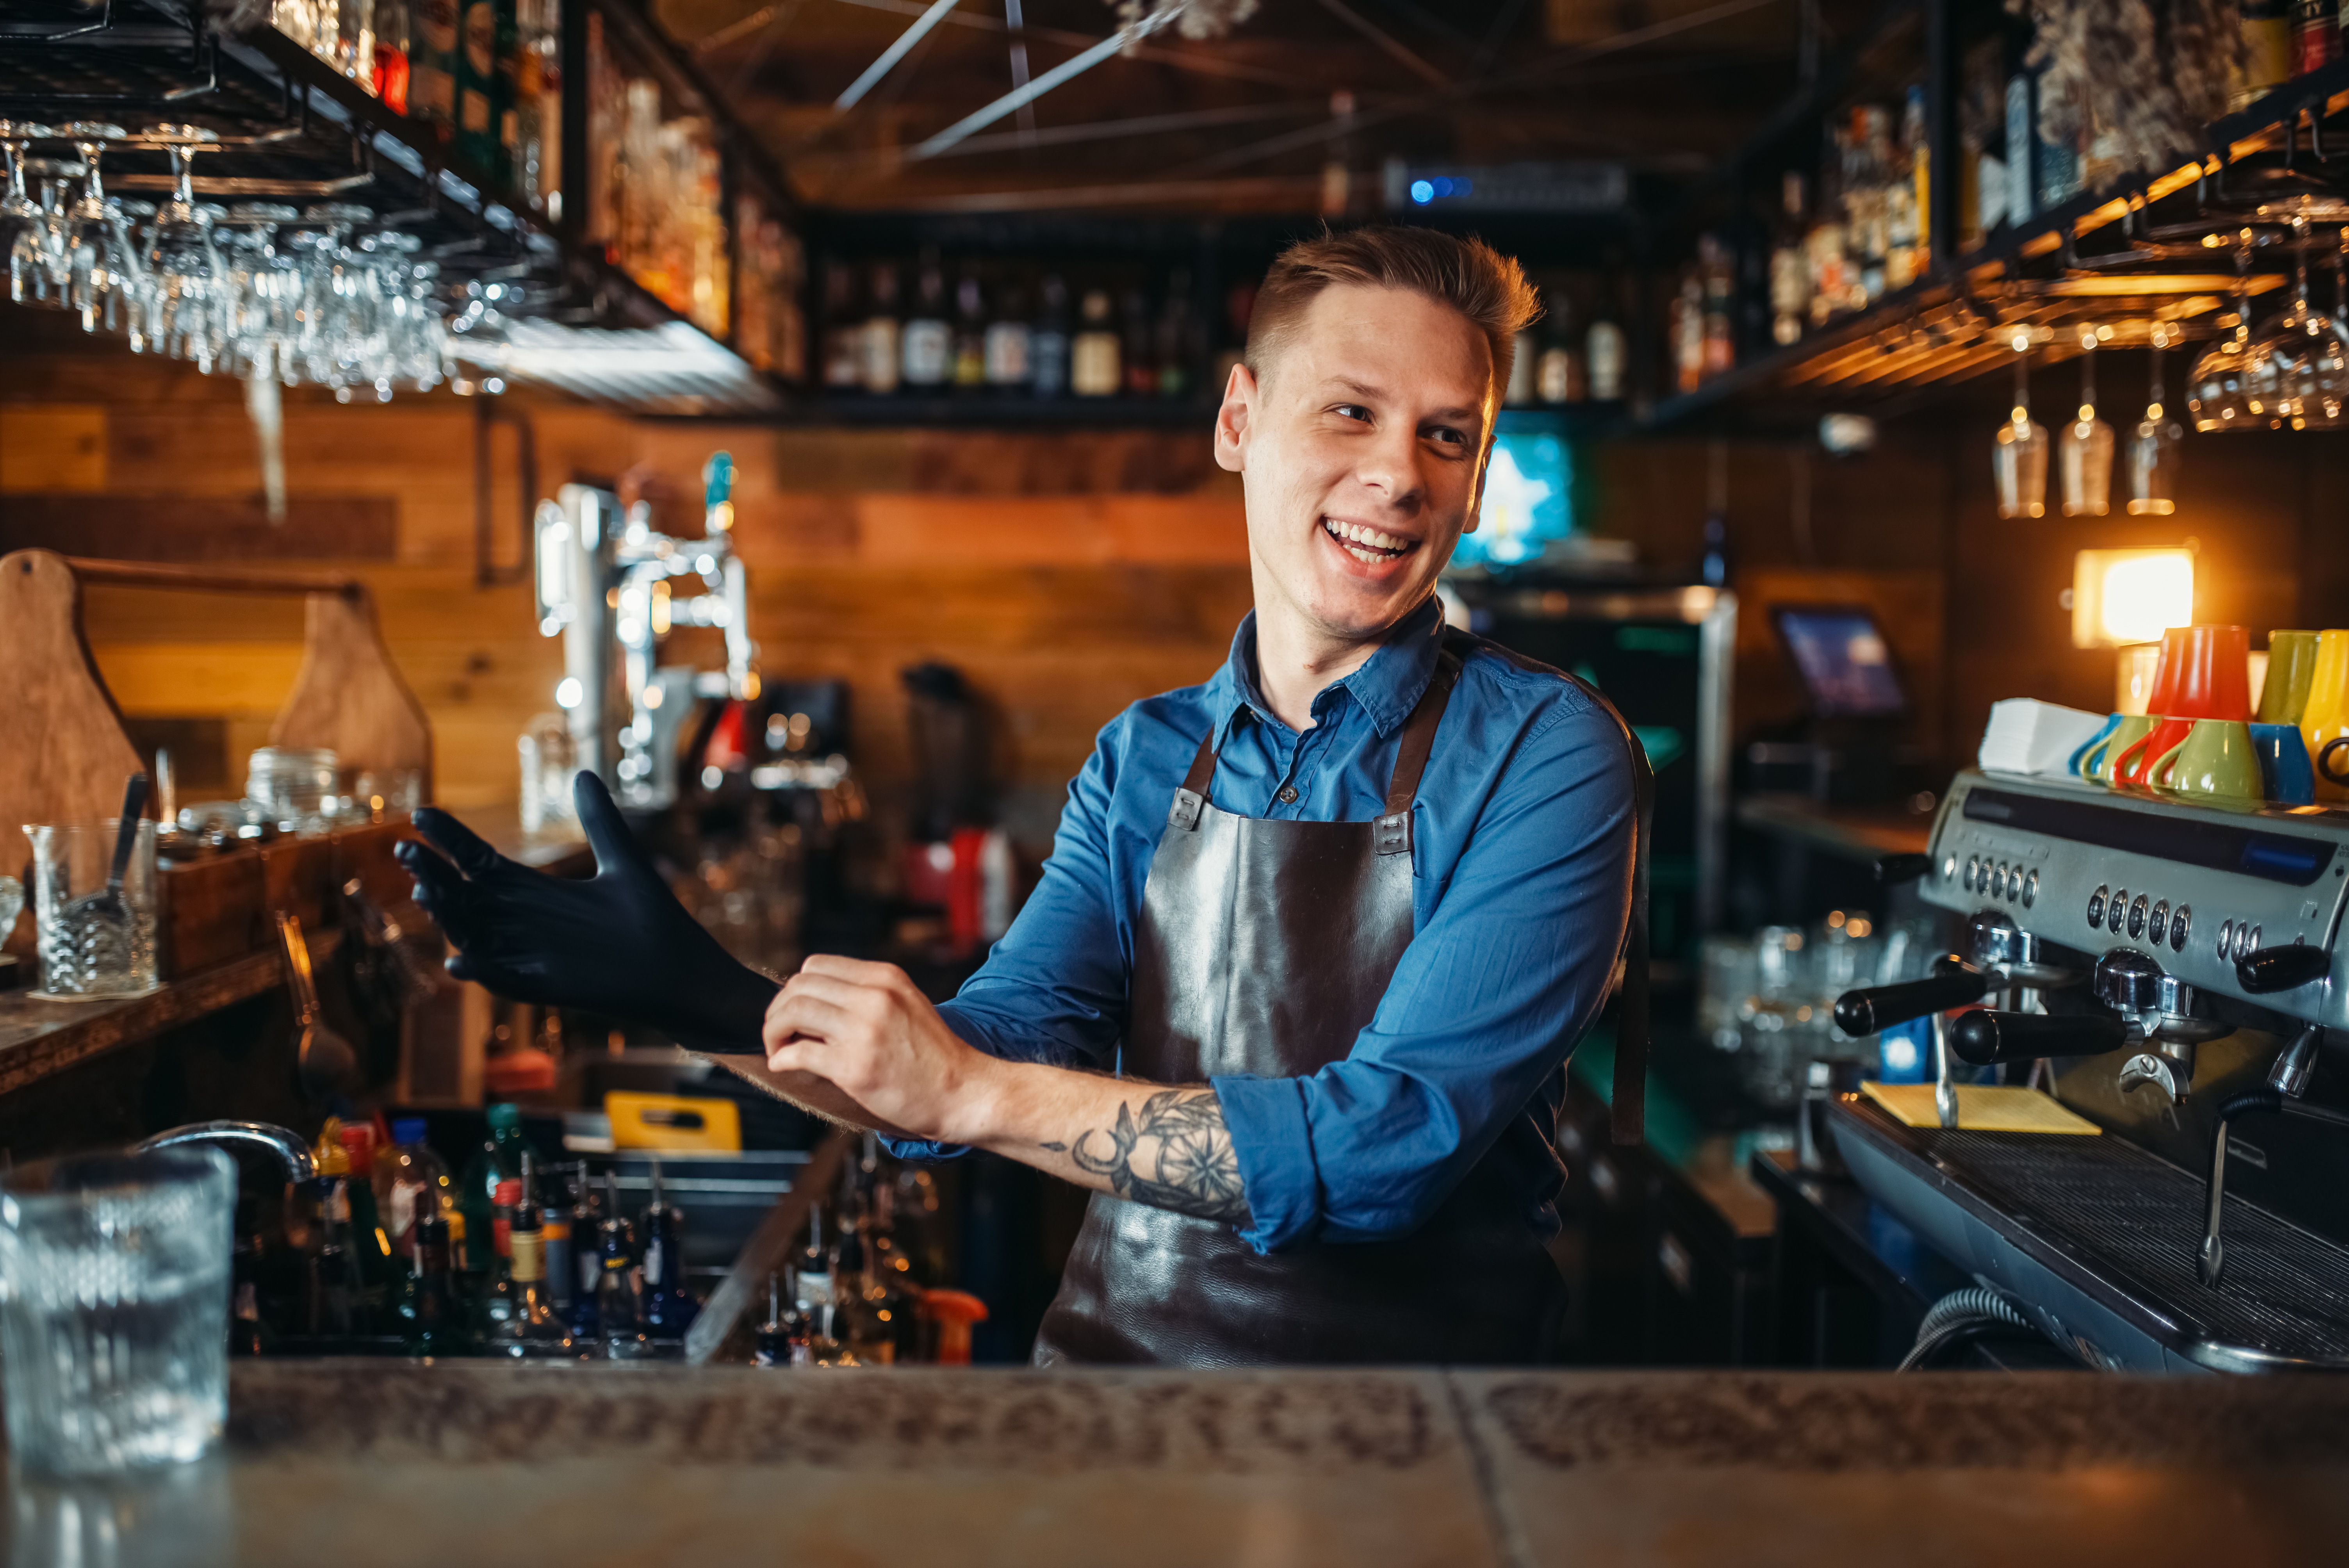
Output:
x=1388 y=685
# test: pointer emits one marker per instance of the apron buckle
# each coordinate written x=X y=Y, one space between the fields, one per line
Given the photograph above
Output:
x=1392 y=833
x=1184 y=812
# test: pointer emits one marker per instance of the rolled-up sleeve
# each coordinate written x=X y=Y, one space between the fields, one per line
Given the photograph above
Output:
x=1053 y=989
x=1505 y=973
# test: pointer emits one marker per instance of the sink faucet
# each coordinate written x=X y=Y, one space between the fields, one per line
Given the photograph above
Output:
x=282 y=1141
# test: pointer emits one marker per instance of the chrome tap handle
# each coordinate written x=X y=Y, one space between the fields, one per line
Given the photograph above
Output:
x=282 y=1141
x=2212 y=1263
x=2297 y=1063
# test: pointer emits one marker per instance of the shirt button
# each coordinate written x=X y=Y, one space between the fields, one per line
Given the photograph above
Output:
x=1288 y=796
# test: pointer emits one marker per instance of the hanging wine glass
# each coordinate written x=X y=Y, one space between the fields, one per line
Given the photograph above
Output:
x=27 y=231
x=2154 y=446
x=2216 y=393
x=2019 y=459
x=105 y=275
x=2297 y=370
x=2085 y=449
x=187 y=297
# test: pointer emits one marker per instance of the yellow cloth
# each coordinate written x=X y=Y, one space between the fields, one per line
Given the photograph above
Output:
x=1982 y=1108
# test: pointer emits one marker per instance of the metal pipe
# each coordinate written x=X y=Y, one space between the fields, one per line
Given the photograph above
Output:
x=894 y=53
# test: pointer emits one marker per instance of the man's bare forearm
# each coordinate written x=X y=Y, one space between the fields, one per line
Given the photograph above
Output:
x=1166 y=1147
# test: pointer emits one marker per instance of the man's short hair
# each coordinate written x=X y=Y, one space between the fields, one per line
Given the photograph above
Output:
x=1469 y=276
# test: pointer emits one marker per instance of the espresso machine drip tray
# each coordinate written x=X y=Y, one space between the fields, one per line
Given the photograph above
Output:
x=2098 y=1238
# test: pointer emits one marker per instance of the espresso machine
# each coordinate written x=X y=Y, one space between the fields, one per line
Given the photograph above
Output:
x=607 y=585
x=2176 y=975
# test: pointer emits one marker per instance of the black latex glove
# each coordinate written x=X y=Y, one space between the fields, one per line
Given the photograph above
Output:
x=616 y=943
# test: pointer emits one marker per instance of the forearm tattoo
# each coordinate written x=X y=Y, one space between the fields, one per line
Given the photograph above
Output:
x=1180 y=1135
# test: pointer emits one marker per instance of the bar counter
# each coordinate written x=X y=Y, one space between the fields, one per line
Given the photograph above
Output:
x=360 y=1463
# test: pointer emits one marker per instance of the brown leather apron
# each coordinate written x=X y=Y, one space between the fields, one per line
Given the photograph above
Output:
x=1264 y=947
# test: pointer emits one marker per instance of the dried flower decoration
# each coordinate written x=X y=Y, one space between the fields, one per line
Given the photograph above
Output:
x=1193 y=19
x=2140 y=77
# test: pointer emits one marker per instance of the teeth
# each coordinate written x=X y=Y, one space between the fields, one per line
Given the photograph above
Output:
x=1359 y=534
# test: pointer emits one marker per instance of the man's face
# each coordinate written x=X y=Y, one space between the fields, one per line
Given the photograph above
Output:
x=1361 y=450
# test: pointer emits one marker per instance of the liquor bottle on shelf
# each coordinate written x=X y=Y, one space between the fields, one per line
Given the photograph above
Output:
x=543 y=1332
x=1790 y=276
x=619 y=1282
x=928 y=341
x=498 y=1158
x=1524 y=370
x=857 y=1320
x=774 y=1343
x=391 y=45
x=1009 y=341
x=1687 y=322
x=1138 y=363
x=1558 y=378
x=669 y=1308
x=2315 y=35
x=411 y=1182
x=1865 y=200
x=498 y=1310
x=1718 y=348
x=1093 y=357
x=1916 y=150
x=1604 y=353
x=369 y=1242
x=844 y=334
x=1048 y=346
x=587 y=1260
x=431 y=1311
x=337 y=1293
x=432 y=63
x=2264 y=62
x=478 y=95
x=970 y=333
x=1827 y=256
x=881 y=351
x=537 y=146
x=1176 y=346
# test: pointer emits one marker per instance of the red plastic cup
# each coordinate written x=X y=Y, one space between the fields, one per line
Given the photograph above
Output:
x=2165 y=673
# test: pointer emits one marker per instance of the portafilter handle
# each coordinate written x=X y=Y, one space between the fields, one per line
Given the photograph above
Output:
x=1873 y=1007
x=1984 y=1037
x=1893 y=870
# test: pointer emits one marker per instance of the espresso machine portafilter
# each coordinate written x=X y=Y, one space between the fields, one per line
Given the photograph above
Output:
x=2002 y=963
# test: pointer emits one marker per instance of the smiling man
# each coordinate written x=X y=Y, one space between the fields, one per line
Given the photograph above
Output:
x=1297 y=991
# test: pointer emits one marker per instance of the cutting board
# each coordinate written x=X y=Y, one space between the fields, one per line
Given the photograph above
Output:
x=1982 y=1108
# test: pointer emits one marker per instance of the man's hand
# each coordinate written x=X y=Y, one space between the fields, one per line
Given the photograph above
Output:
x=863 y=1045
x=868 y=1031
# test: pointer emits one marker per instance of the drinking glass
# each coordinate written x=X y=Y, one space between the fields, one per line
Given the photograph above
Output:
x=2086 y=448
x=37 y=259
x=291 y=785
x=2217 y=393
x=114 y=1322
x=105 y=276
x=264 y=288
x=92 y=946
x=2018 y=460
x=2298 y=368
x=187 y=295
x=2153 y=451
x=22 y=219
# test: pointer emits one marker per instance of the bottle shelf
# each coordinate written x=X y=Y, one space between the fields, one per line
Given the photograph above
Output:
x=1958 y=321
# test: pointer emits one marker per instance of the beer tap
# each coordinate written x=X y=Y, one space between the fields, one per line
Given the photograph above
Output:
x=2001 y=958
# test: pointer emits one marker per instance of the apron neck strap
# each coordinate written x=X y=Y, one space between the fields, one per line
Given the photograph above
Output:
x=1419 y=733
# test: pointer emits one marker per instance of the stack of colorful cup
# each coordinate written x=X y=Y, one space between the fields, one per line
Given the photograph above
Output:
x=2194 y=740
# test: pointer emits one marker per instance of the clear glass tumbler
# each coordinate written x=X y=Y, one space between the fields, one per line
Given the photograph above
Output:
x=292 y=786
x=114 y=1276
x=93 y=942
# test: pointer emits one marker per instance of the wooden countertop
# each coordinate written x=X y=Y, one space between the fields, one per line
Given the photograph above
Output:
x=398 y=1463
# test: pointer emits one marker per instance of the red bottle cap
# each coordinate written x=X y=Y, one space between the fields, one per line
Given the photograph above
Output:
x=359 y=1143
x=508 y=1191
